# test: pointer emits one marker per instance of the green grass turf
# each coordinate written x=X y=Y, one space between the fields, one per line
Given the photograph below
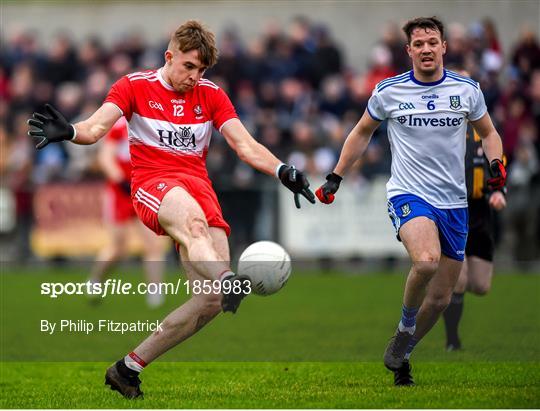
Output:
x=316 y=344
x=275 y=385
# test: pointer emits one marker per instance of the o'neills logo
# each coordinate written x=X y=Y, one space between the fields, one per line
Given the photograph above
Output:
x=182 y=139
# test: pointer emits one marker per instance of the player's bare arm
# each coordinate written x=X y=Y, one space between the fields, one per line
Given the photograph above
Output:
x=353 y=148
x=97 y=125
x=356 y=143
x=248 y=149
x=52 y=127
x=492 y=145
x=260 y=158
x=491 y=141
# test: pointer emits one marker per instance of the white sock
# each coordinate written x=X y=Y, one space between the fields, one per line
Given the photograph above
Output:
x=134 y=362
x=402 y=328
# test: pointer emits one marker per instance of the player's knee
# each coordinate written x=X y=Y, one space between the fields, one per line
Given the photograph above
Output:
x=438 y=303
x=197 y=228
x=480 y=289
x=427 y=266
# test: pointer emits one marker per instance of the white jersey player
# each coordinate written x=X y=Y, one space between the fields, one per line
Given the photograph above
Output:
x=427 y=123
x=427 y=110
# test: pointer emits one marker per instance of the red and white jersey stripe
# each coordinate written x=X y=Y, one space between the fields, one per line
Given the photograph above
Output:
x=169 y=131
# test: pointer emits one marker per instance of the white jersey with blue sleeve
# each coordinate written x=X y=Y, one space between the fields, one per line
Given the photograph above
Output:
x=427 y=124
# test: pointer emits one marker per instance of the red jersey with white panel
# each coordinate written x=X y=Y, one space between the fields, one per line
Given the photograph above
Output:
x=169 y=132
x=119 y=136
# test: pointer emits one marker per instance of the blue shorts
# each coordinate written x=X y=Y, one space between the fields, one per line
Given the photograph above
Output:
x=452 y=223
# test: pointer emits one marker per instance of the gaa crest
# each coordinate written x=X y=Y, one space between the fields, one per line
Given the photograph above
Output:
x=197 y=109
x=455 y=102
x=405 y=210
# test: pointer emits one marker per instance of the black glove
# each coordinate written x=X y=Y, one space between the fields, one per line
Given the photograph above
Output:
x=325 y=193
x=125 y=185
x=51 y=127
x=297 y=182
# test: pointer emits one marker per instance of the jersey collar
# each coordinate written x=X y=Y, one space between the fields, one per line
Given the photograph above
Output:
x=162 y=80
x=431 y=83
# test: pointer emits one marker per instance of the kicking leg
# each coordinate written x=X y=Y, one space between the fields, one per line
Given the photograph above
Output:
x=184 y=220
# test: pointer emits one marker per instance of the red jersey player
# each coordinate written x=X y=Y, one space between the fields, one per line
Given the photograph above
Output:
x=115 y=162
x=171 y=112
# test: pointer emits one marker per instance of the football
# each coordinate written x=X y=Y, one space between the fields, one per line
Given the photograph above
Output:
x=267 y=265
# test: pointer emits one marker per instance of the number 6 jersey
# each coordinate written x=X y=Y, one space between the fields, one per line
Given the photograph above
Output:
x=427 y=124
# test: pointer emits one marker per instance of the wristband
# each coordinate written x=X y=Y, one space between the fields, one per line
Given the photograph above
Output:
x=279 y=168
x=74 y=133
x=335 y=178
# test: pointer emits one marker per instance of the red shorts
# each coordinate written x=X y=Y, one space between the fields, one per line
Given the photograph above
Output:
x=147 y=198
x=118 y=207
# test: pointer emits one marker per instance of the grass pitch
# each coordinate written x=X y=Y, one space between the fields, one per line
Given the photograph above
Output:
x=316 y=344
x=276 y=385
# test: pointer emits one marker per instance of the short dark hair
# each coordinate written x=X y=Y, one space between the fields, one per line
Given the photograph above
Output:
x=193 y=35
x=432 y=23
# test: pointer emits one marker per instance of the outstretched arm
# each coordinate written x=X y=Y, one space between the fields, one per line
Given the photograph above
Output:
x=354 y=146
x=260 y=158
x=97 y=125
x=52 y=127
x=248 y=149
x=356 y=143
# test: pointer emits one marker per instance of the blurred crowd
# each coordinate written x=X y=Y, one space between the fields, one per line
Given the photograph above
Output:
x=295 y=91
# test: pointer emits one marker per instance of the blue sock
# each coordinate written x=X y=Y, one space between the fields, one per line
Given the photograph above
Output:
x=408 y=318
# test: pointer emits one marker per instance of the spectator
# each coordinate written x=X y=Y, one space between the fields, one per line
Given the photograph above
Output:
x=381 y=67
x=526 y=56
x=521 y=214
x=291 y=87
x=395 y=41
